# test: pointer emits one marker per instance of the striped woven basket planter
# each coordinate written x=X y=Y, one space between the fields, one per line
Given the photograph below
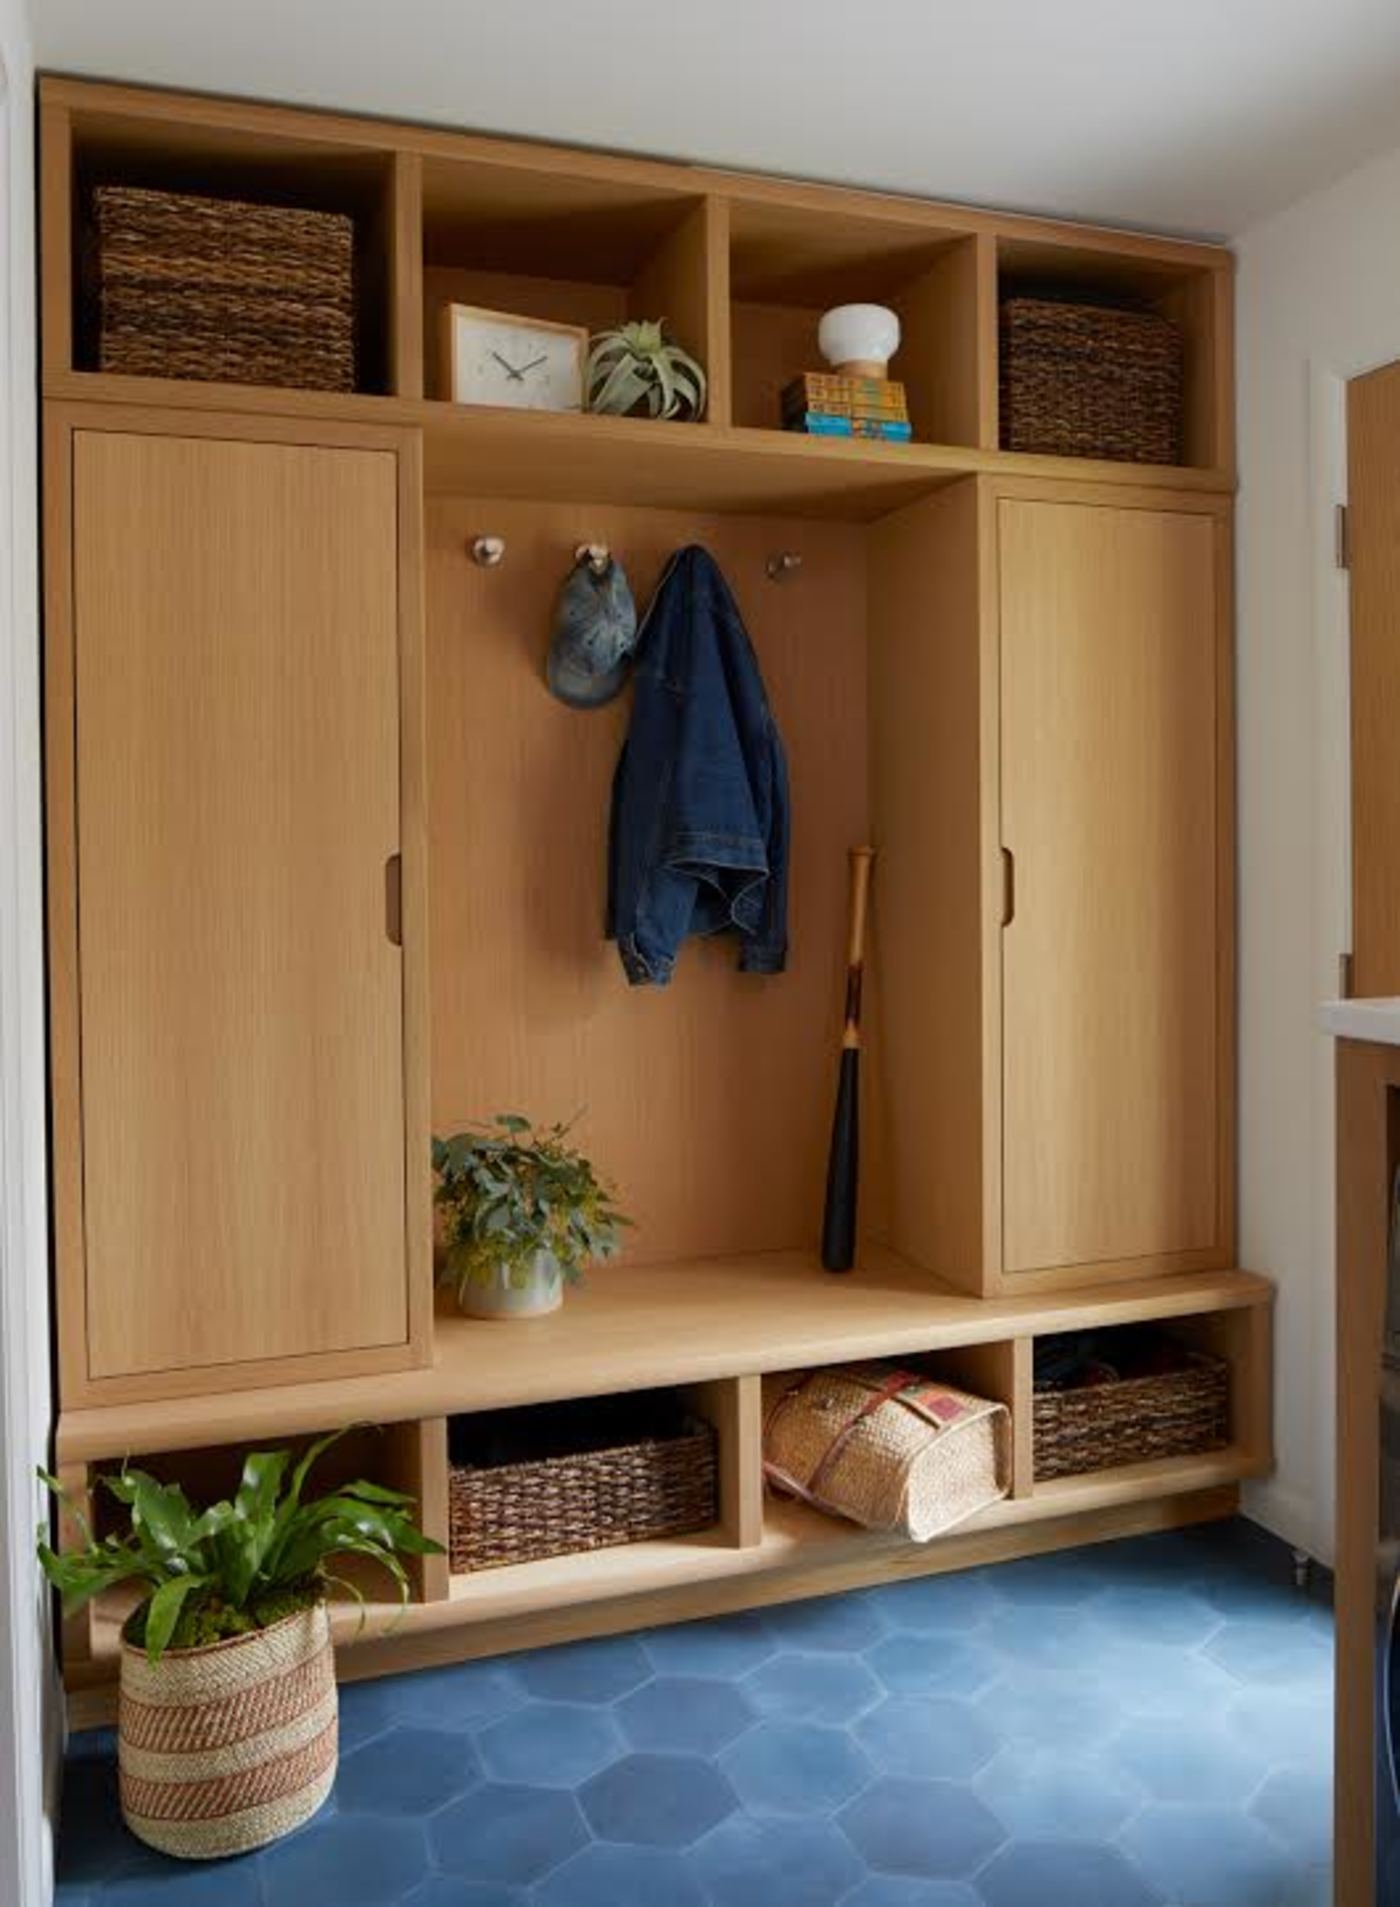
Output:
x=225 y=1748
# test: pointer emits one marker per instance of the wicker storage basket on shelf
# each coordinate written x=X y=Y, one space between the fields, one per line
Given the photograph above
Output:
x=658 y=1479
x=1090 y=381
x=187 y=287
x=1178 y=1413
x=225 y=1748
x=887 y=1448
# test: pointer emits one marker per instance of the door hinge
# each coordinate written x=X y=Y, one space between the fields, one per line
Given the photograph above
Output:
x=1344 y=970
x=1342 y=536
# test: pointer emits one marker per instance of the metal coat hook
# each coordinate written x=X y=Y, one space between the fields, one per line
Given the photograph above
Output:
x=781 y=564
x=489 y=552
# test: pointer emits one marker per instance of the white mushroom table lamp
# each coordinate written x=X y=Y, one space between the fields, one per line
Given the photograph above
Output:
x=858 y=340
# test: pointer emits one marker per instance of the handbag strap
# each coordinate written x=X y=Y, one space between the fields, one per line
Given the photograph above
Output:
x=879 y=1396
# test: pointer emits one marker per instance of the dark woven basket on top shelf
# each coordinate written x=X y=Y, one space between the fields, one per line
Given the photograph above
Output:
x=1178 y=1413
x=1090 y=381
x=656 y=1479
x=214 y=289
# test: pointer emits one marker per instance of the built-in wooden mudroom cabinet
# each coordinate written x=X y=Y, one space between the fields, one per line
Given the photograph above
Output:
x=327 y=860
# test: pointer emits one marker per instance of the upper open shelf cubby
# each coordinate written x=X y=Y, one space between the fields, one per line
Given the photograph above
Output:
x=216 y=161
x=788 y=264
x=1196 y=298
x=742 y=267
x=567 y=248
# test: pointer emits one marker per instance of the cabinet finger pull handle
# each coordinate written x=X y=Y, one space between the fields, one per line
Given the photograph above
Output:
x=1008 y=887
x=393 y=899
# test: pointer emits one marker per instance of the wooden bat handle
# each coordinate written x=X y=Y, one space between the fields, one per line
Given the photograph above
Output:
x=861 y=861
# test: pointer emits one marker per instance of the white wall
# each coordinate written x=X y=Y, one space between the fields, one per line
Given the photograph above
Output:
x=29 y=1708
x=1319 y=302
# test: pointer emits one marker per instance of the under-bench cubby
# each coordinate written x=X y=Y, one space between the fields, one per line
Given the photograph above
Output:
x=1149 y=1396
x=584 y=1474
x=406 y=1456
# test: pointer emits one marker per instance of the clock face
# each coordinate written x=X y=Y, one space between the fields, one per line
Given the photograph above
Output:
x=496 y=359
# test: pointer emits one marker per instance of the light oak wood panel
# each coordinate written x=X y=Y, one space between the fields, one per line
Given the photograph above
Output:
x=406 y=377
x=75 y=1514
x=941 y=354
x=1373 y=491
x=988 y=344
x=634 y=1327
x=803 y=1553
x=706 y=1101
x=1368 y=1149
x=734 y=1405
x=936 y=1024
x=1003 y=1371
x=55 y=237
x=143 y=562
x=544 y=455
x=1110 y=776
x=771 y=344
x=235 y=610
x=686 y=282
x=1203 y=305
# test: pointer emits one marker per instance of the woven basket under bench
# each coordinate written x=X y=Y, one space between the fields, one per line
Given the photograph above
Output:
x=1178 y=1413
x=1090 y=381
x=644 y=1477
x=187 y=287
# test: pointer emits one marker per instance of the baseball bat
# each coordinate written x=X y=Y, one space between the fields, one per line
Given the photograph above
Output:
x=843 y=1160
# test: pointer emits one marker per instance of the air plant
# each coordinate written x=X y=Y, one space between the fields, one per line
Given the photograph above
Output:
x=640 y=365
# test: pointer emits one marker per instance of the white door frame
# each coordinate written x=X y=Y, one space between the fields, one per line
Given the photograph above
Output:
x=30 y=1705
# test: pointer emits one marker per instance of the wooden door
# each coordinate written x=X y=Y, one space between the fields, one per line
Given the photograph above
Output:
x=1373 y=491
x=236 y=755
x=1112 y=822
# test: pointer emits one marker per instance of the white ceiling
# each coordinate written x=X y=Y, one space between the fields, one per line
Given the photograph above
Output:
x=1194 y=116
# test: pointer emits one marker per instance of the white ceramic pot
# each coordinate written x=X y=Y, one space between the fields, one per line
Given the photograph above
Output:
x=522 y=1292
x=859 y=335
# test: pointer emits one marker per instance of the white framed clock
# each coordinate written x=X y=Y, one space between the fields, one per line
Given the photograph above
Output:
x=494 y=357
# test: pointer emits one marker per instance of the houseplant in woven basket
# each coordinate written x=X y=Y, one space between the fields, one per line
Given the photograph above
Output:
x=522 y=1214
x=227 y=1720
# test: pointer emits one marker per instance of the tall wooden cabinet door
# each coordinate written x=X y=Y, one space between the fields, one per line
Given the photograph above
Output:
x=1114 y=771
x=236 y=671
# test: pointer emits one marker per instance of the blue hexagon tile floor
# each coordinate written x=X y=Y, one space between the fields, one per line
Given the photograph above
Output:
x=1145 y=1724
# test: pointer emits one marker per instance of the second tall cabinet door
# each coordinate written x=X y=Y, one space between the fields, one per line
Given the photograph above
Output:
x=1111 y=815
x=236 y=673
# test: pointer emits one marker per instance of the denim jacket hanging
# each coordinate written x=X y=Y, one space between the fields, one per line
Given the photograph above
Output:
x=699 y=838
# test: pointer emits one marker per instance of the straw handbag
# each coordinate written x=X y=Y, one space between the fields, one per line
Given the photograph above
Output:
x=888 y=1448
x=222 y=1749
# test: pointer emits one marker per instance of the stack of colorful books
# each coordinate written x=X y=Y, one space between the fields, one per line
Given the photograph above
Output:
x=824 y=404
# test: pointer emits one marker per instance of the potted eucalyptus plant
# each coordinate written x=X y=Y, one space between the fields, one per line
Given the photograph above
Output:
x=523 y=1213
x=227 y=1715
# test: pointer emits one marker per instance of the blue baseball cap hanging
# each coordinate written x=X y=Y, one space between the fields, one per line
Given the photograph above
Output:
x=595 y=631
